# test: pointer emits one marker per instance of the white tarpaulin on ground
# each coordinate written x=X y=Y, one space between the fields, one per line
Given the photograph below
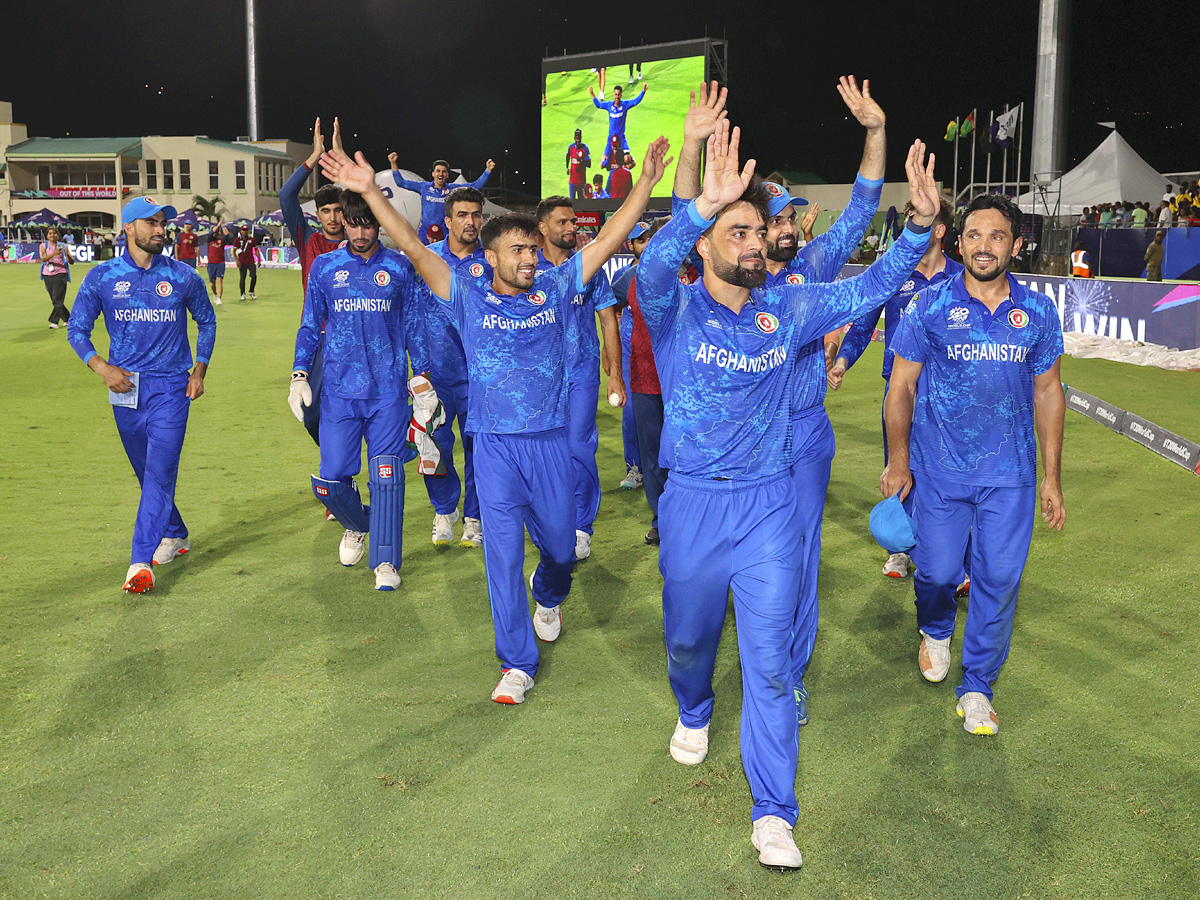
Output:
x=1112 y=172
x=1090 y=346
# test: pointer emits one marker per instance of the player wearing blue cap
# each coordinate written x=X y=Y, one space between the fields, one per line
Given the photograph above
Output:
x=974 y=377
x=618 y=110
x=437 y=350
x=143 y=296
x=727 y=352
x=556 y=224
x=934 y=268
x=433 y=193
x=517 y=330
x=359 y=295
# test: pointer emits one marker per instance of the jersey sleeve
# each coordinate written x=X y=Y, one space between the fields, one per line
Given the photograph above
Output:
x=910 y=340
x=620 y=285
x=415 y=299
x=289 y=204
x=822 y=307
x=202 y=313
x=568 y=281
x=308 y=337
x=459 y=287
x=859 y=337
x=604 y=297
x=1049 y=346
x=630 y=104
x=84 y=311
x=659 y=290
x=828 y=252
x=415 y=186
x=479 y=182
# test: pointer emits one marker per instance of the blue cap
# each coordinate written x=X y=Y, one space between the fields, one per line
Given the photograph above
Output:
x=780 y=199
x=638 y=230
x=144 y=208
x=892 y=527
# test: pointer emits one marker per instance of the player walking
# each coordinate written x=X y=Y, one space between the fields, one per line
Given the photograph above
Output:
x=433 y=193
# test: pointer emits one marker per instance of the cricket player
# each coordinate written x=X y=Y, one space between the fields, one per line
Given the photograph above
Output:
x=143 y=296
x=618 y=111
x=556 y=224
x=579 y=159
x=975 y=376
x=517 y=331
x=359 y=295
x=433 y=193
x=727 y=351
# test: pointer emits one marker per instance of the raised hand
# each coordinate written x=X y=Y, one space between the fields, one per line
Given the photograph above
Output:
x=808 y=220
x=491 y=164
x=705 y=114
x=337 y=136
x=318 y=143
x=355 y=174
x=922 y=189
x=860 y=103
x=394 y=160
x=654 y=166
x=724 y=183
x=591 y=93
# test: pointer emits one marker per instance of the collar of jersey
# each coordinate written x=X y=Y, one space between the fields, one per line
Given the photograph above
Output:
x=958 y=288
x=798 y=266
x=126 y=260
x=373 y=258
x=949 y=270
x=723 y=309
x=443 y=250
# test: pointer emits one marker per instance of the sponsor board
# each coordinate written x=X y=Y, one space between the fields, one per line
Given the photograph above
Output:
x=589 y=219
x=1095 y=408
x=1167 y=444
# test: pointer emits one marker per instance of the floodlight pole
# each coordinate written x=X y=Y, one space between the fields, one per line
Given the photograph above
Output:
x=252 y=70
x=1048 y=150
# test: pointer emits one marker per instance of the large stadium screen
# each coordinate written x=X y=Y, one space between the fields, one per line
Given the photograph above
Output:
x=635 y=95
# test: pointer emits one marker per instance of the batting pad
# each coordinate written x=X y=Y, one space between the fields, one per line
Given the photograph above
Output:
x=342 y=499
x=387 y=510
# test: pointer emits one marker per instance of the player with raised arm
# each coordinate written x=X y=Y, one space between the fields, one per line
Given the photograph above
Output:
x=975 y=376
x=618 y=111
x=433 y=193
x=516 y=331
x=355 y=305
x=726 y=351
x=145 y=298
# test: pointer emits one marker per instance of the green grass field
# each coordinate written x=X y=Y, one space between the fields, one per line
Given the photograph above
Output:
x=568 y=107
x=265 y=725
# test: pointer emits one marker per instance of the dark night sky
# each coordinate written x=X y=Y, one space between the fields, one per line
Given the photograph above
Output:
x=461 y=79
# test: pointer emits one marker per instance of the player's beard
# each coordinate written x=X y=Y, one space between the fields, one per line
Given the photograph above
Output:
x=147 y=245
x=737 y=274
x=562 y=242
x=1001 y=268
x=776 y=253
x=512 y=278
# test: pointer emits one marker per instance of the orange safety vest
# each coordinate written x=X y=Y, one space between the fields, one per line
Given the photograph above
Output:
x=1079 y=266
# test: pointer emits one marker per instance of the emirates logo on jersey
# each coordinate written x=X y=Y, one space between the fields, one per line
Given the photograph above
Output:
x=1018 y=318
x=766 y=323
x=163 y=289
x=385 y=470
x=795 y=279
x=476 y=270
x=537 y=298
x=383 y=279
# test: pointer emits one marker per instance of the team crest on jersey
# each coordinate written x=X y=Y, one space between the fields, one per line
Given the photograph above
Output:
x=383 y=279
x=342 y=244
x=163 y=289
x=773 y=189
x=1018 y=318
x=537 y=298
x=340 y=277
x=766 y=323
x=476 y=270
x=385 y=470
x=794 y=279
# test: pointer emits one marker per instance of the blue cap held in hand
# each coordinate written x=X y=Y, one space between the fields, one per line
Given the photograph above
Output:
x=892 y=527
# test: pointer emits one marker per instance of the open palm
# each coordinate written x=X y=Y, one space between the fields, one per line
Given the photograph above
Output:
x=354 y=174
x=724 y=182
x=860 y=103
x=705 y=114
x=922 y=189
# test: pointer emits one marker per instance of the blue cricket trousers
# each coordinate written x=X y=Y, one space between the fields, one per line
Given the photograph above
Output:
x=583 y=440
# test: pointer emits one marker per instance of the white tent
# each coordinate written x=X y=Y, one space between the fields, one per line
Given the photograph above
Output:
x=1112 y=172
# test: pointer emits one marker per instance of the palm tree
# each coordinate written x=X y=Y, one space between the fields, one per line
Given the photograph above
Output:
x=205 y=208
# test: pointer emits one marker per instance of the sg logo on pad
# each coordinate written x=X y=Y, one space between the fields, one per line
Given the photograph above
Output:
x=163 y=289
x=385 y=470
x=1018 y=318
x=766 y=323
x=383 y=279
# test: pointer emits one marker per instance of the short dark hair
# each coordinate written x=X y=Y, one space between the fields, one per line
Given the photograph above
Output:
x=756 y=195
x=550 y=204
x=463 y=195
x=1002 y=205
x=439 y=162
x=355 y=210
x=498 y=226
x=326 y=195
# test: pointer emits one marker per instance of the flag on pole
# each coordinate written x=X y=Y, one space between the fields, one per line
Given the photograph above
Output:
x=952 y=130
x=1005 y=127
x=967 y=126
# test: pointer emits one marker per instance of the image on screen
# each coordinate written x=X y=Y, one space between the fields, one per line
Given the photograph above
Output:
x=653 y=100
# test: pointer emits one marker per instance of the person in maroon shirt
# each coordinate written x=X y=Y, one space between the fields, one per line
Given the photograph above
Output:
x=216 y=261
x=327 y=200
x=620 y=179
x=243 y=252
x=185 y=246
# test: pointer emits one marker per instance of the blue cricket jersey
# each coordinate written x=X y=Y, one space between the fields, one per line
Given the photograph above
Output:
x=516 y=347
x=144 y=312
x=362 y=303
x=433 y=199
x=617 y=111
x=861 y=331
x=727 y=377
x=973 y=419
x=583 y=351
x=433 y=342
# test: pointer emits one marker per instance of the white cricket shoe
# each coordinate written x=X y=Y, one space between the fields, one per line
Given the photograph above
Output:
x=218 y=302
x=547 y=620
x=252 y=296
x=977 y=713
x=583 y=544
x=689 y=745
x=443 y=528
x=169 y=548
x=472 y=535
x=897 y=565
x=512 y=687
x=934 y=658
x=139 y=579
x=632 y=480
x=386 y=577
x=243 y=296
x=350 y=550
x=776 y=847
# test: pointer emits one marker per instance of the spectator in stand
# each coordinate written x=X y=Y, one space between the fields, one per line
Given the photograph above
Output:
x=243 y=250
x=3 y=248
x=1169 y=196
x=1106 y=215
x=1164 y=214
x=1154 y=258
x=1183 y=207
x=1086 y=216
x=1120 y=215
x=1139 y=216
x=56 y=272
